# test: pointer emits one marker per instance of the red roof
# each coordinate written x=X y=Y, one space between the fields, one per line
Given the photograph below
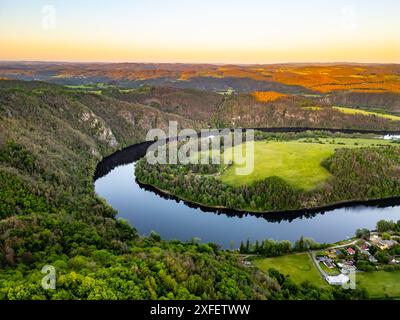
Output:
x=351 y=251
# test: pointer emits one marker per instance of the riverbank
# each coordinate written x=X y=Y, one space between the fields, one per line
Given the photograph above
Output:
x=301 y=173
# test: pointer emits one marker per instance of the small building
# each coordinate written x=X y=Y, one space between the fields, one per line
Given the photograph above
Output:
x=348 y=263
x=339 y=280
x=351 y=251
x=372 y=259
x=382 y=244
x=366 y=252
x=326 y=261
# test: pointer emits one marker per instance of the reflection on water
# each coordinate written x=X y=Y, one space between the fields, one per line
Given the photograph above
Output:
x=173 y=219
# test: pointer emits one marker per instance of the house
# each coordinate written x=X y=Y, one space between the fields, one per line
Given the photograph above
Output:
x=348 y=263
x=382 y=244
x=372 y=259
x=351 y=251
x=338 y=252
x=365 y=251
x=364 y=247
x=329 y=264
x=339 y=280
x=326 y=261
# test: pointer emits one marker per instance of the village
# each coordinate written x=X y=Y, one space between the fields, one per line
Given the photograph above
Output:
x=370 y=252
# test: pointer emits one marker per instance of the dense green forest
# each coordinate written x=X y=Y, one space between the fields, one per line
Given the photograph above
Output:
x=356 y=174
x=273 y=248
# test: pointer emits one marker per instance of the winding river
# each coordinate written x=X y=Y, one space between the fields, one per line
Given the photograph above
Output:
x=148 y=210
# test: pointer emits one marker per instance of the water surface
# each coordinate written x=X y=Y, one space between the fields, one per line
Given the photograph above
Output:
x=148 y=211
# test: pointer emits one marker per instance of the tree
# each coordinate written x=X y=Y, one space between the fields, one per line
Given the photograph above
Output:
x=373 y=250
x=299 y=245
x=363 y=233
x=382 y=257
x=384 y=226
x=247 y=246
x=155 y=236
x=386 y=236
x=242 y=248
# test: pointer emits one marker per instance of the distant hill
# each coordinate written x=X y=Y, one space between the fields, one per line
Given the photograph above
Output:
x=286 y=78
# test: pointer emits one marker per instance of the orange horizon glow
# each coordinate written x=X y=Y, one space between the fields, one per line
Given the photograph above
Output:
x=201 y=33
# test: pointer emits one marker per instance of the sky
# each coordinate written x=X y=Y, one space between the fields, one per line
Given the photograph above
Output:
x=201 y=31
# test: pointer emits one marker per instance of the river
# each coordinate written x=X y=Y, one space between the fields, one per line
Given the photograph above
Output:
x=148 y=210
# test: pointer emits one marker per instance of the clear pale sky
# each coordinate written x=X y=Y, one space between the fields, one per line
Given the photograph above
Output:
x=212 y=31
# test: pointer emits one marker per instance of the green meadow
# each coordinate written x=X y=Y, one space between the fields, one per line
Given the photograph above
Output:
x=299 y=267
x=298 y=162
x=380 y=284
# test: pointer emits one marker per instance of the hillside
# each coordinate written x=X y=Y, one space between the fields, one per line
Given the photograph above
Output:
x=51 y=141
x=248 y=110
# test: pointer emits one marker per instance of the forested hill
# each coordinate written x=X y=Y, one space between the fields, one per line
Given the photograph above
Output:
x=268 y=109
x=51 y=139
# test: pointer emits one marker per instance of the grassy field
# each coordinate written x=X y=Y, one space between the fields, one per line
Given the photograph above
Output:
x=380 y=284
x=367 y=113
x=297 y=162
x=332 y=272
x=298 y=266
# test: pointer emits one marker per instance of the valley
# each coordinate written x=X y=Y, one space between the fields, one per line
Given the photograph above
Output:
x=54 y=133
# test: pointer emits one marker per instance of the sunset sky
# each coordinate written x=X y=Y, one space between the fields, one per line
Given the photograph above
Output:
x=211 y=31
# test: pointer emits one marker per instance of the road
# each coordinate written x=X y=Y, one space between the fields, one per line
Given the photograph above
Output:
x=316 y=262
x=345 y=245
